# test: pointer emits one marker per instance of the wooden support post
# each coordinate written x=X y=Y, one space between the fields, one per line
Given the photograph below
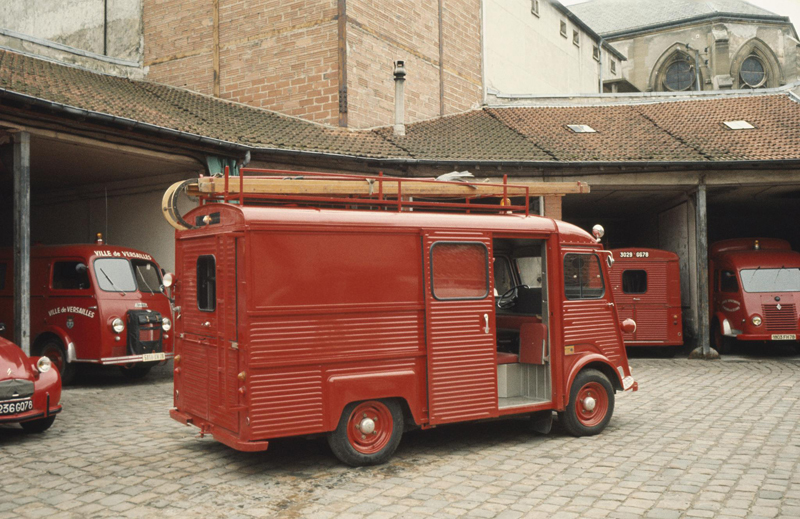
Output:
x=703 y=349
x=22 y=240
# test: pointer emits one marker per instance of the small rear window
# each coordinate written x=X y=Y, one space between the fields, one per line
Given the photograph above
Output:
x=70 y=275
x=207 y=283
x=460 y=270
x=3 y=269
x=634 y=281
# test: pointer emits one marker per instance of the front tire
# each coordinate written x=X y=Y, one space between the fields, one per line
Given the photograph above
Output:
x=591 y=404
x=54 y=350
x=38 y=426
x=368 y=432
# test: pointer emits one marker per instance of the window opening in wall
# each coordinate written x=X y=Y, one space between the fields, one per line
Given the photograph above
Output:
x=752 y=72
x=613 y=67
x=634 y=281
x=596 y=52
x=206 y=283
x=535 y=7
x=680 y=76
x=563 y=28
x=576 y=38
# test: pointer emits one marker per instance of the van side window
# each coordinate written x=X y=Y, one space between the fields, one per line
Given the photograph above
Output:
x=728 y=281
x=206 y=283
x=583 y=278
x=3 y=269
x=70 y=275
x=459 y=270
x=634 y=281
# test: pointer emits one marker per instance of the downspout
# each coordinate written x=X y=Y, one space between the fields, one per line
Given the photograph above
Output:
x=105 y=27
x=696 y=67
x=600 y=50
x=399 y=102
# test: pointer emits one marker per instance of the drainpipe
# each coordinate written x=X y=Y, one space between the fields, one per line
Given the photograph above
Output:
x=696 y=67
x=600 y=51
x=399 y=81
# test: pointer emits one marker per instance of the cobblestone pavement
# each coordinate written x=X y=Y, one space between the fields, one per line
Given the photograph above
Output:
x=700 y=439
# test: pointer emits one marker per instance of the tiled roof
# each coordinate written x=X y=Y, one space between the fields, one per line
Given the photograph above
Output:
x=179 y=109
x=689 y=130
x=614 y=16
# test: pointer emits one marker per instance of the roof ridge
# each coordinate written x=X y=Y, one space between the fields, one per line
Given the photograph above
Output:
x=524 y=137
x=678 y=139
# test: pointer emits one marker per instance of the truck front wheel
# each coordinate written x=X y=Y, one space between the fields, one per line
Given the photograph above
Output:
x=591 y=404
x=54 y=350
x=368 y=432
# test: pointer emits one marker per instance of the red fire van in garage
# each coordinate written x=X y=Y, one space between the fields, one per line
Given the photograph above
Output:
x=755 y=291
x=647 y=288
x=357 y=324
x=97 y=303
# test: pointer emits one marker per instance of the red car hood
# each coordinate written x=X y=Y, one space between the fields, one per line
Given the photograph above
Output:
x=13 y=362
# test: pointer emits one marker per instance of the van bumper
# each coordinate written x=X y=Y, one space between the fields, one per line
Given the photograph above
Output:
x=128 y=359
x=766 y=336
x=218 y=434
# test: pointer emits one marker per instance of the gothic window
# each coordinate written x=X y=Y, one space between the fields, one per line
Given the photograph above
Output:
x=679 y=75
x=752 y=72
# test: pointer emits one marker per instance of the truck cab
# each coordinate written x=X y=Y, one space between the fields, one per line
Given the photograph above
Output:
x=755 y=291
x=93 y=303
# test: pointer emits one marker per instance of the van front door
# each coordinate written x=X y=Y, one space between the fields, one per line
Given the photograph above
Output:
x=207 y=338
x=459 y=304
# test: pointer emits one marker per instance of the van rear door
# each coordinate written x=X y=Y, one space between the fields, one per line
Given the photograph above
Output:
x=459 y=305
x=208 y=384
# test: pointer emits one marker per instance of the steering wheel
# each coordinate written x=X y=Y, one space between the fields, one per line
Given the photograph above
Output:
x=508 y=299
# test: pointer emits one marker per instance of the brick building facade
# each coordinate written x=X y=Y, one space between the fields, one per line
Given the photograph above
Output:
x=328 y=61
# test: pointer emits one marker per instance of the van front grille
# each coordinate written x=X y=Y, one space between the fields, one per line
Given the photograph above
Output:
x=784 y=319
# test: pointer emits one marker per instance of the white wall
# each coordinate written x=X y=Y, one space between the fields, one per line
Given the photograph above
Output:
x=526 y=54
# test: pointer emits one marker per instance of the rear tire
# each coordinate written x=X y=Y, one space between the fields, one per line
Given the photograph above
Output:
x=591 y=404
x=54 y=350
x=38 y=426
x=368 y=432
x=137 y=371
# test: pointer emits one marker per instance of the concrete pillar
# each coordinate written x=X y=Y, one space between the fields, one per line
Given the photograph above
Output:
x=552 y=206
x=22 y=240
x=703 y=349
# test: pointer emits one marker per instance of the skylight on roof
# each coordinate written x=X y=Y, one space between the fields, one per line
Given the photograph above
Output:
x=739 y=125
x=581 y=128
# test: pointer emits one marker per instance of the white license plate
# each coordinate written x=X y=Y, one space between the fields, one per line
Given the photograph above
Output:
x=150 y=357
x=16 y=406
x=784 y=337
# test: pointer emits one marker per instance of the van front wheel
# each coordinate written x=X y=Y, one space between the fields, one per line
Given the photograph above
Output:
x=54 y=350
x=368 y=432
x=591 y=404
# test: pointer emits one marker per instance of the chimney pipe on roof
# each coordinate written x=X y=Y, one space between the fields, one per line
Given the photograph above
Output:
x=399 y=100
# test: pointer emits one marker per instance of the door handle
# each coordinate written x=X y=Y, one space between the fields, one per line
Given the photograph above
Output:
x=486 y=320
x=610 y=305
x=637 y=298
x=207 y=324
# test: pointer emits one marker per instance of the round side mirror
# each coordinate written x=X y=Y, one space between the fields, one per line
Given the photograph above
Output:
x=169 y=279
x=598 y=232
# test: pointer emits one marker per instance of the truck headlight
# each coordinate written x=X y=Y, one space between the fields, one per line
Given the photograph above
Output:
x=43 y=364
x=756 y=320
x=117 y=325
x=166 y=324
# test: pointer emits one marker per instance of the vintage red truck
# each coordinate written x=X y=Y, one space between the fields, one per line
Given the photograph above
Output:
x=755 y=291
x=647 y=288
x=359 y=324
x=93 y=303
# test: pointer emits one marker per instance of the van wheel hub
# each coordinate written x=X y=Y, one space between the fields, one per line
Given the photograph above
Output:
x=589 y=403
x=366 y=426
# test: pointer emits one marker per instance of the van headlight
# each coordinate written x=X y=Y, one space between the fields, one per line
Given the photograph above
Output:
x=43 y=364
x=166 y=324
x=117 y=325
x=756 y=320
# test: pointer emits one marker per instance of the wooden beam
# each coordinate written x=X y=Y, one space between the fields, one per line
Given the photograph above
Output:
x=311 y=187
x=22 y=240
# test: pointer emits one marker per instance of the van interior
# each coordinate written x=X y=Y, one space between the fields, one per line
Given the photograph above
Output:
x=523 y=352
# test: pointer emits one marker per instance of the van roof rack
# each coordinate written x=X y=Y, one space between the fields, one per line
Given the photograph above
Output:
x=452 y=192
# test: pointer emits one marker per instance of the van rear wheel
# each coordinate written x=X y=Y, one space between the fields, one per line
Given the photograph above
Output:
x=591 y=404
x=54 y=350
x=368 y=432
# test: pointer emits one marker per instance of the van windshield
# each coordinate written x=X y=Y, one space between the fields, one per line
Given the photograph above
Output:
x=121 y=275
x=771 y=280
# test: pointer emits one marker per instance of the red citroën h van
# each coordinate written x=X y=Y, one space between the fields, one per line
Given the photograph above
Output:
x=93 y=303
x=357 y=324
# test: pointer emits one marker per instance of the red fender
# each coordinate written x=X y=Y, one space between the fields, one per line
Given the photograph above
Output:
x=344 y=389
x=582 y=363
x=722 y=319
x=69 y=346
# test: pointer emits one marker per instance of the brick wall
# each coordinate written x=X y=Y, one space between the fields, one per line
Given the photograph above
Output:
x=283 y=55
